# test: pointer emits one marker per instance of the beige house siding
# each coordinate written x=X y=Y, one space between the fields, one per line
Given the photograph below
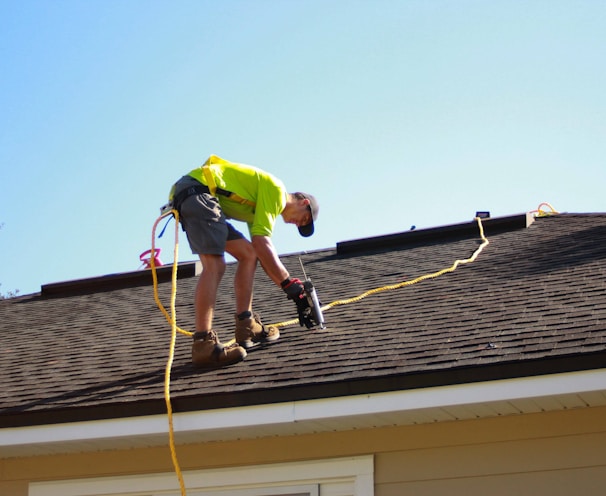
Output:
x=541 y=453
x=563 y=465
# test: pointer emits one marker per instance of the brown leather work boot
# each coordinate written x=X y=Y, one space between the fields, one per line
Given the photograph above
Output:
x=250 y=332
x=208 y=352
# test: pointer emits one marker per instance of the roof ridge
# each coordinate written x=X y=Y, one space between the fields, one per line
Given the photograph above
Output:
x=454 y=231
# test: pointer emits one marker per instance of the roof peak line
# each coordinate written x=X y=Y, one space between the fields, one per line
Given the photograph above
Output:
x=491 y=226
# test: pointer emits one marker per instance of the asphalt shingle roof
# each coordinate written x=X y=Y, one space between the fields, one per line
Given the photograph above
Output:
x=533 y=302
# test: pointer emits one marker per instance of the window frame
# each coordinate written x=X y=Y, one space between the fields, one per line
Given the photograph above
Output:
x=334 y=476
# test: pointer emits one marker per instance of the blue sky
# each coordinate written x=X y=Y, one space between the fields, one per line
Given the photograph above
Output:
x=393 y=113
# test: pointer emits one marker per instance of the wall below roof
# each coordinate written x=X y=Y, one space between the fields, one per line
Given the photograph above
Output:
x=541 y=453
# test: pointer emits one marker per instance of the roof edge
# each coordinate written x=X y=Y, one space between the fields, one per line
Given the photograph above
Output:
x=471 y=374
x=309 y=414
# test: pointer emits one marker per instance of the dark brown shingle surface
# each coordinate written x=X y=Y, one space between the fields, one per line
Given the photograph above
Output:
x=533 y=302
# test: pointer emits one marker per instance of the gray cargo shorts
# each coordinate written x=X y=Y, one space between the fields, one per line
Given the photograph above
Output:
x=204 y=222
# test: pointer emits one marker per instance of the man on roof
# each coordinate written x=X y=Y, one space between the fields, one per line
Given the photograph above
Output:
x=206 y=198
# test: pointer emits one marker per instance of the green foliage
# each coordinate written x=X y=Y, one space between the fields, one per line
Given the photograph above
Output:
x=10 y=294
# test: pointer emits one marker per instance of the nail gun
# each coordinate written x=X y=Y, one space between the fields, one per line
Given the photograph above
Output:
x=312 y=315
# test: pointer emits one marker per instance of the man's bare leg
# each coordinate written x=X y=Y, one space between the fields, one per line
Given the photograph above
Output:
x=213 y=268
x=243 y=251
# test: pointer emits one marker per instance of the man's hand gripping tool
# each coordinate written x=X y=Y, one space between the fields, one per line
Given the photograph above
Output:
x=311 y=315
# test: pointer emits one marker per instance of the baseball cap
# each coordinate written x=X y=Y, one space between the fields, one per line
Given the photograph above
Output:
x=314 y=208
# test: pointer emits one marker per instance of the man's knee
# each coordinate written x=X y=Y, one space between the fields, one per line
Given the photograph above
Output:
x=242 y=250
x=213 y=264
x=249 y=254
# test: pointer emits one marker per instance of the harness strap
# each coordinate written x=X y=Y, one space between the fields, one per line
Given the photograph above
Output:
x=214 y=190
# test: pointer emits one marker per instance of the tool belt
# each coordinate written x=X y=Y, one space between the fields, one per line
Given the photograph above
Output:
x=201 y=188
x=186 y=193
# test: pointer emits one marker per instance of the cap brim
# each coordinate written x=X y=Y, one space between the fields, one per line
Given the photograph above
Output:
x=307 y=230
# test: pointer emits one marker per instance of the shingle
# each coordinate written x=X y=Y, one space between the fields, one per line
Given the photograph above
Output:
x=532 y=294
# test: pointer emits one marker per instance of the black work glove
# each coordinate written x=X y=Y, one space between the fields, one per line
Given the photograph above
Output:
x=296 y=292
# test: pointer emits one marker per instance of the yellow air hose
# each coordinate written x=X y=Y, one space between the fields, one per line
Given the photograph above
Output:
x=452 y=268
x=173 y=338
x=171 y=317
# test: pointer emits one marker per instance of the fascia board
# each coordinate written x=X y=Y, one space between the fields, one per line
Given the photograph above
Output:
x=299 y=413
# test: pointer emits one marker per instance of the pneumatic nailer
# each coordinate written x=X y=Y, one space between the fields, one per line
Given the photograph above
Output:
x=311 y=316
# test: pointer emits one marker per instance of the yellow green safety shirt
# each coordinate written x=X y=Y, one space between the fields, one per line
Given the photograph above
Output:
x=265 y=191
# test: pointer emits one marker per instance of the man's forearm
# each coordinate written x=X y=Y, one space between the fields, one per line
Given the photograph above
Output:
x=271 y=263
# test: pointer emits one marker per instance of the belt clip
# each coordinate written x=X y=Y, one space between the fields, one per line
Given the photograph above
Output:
x=168 y=207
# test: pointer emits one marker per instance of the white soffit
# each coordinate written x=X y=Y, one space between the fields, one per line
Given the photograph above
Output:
x=416 y=406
